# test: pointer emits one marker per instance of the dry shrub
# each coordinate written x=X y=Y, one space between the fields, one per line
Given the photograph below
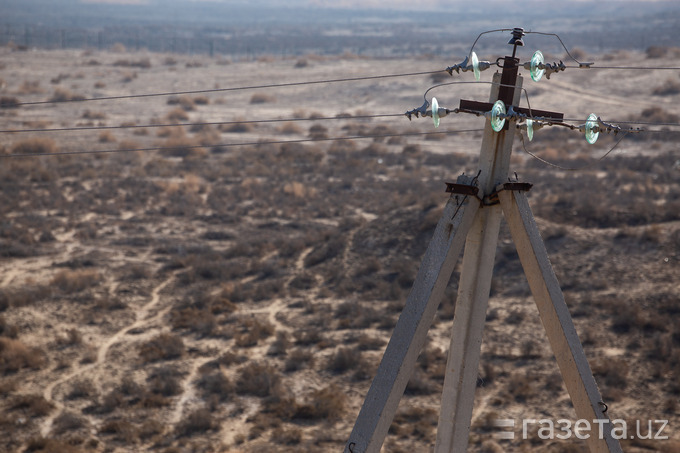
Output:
x=177 y=115
x=122 y=430
x=64 y=95
x=258 y=379
x=239 y=127
x=286 y=436
x=208 y=136
x=92 y=115
x=30 y=87
x=15 y=355
x=82 y=389
x=670 y=87
x=520 y=386
x=196 y=422
x=182 y=147
x=34 y=145
x=290 y=128
x=489 y=446
x=165 y=346
x=8 y=102
x=68 y=422
x=656 y=52
x=118 y=48
x=343 y=359
x=72 y=338
x=43 y=445
x=326 y=250
x=298 y=359
x=416 y=422
x=31 y=405
x=318 y=132
x=215 y=385
x=150 y=429
x=165 y=381
x=327 y=403
x=613 y=371
x=73 y=281
x=252 y=331
x=8 y=330
x=128 y=76
x=262 y=98
x=300 y=190
x=106 y=137
x=142 y=63
x=201 y=100
x=185 y=102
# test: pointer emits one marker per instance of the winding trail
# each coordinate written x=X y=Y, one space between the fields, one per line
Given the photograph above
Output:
x=141 y=319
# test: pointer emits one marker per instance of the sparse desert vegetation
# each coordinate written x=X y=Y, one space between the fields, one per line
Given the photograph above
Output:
x=239 y=298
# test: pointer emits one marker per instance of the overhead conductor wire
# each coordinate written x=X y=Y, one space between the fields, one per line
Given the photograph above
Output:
x=231 y=145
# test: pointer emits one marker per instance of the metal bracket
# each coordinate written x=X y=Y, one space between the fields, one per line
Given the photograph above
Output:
x=461 y=189
x=492 y=198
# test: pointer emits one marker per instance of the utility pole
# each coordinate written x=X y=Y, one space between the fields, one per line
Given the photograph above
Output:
x=471 y=219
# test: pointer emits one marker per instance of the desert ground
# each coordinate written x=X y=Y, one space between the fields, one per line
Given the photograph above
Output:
x=238 y=298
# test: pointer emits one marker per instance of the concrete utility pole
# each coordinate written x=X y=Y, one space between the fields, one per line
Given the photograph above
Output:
x=472 y=218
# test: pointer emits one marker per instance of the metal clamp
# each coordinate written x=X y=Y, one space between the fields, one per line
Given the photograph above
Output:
x=492 y=198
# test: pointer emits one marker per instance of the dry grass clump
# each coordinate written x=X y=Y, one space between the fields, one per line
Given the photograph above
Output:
x=318 y=132
x=45 y=445
x=83 y=388
x=185 y=102
x=164 y=381
x=252 y=331
x=64 y=95
x=262 y=98
x=290 y=128
x=196 y=422
x=258 y=379
x=142 y=63
x=7 y=330
x=165 y=346
x=177 y=115
x=414 y=422
x=182 y=147
x=31 y=405
x=72 y=338
x=94 y=115
x=214 y=385
x=35 y=145
x=15 y=355
x=670 y=87
x=106 y=137
x=67 y=422
x=121 y=430
x=327 y=403
x=73 y=281
x=241 y=126
x=30 y=87
x=8 y=102
x=662 y=52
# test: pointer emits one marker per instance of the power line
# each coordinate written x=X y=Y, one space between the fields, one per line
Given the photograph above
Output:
x=632 y=68
x=222 y=90
x=232 y=145
x=210 y=123
x=561 y=167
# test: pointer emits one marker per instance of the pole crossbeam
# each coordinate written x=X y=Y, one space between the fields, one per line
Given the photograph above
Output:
x=475 y=224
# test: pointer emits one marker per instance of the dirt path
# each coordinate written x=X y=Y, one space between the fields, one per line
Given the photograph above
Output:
x=141 y=319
